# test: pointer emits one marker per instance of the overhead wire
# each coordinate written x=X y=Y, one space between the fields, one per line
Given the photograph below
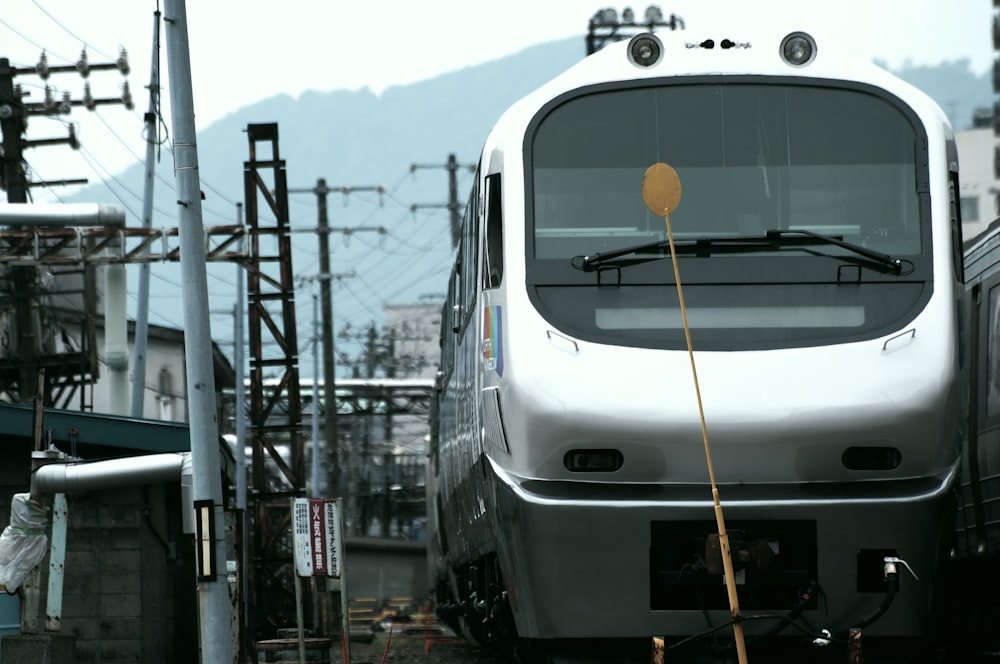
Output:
x=396 y=239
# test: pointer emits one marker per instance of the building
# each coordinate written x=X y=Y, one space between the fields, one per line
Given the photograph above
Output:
x=980 y=188
x=415 y=331
x=127 y=588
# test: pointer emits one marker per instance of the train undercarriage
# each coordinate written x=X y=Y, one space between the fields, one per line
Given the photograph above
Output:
x=481 y=613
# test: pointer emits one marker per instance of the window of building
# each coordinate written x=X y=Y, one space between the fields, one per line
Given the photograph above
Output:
x=970 y=208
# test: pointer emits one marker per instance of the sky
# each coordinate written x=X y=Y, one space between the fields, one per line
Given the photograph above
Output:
x=246 y=51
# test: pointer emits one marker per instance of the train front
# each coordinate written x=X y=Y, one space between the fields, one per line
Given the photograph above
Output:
x=815 y=239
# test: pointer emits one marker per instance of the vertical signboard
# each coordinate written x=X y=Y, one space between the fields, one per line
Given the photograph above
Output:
x=333 y=553
x=316 y=534
x=302 y=546
x=317 y=537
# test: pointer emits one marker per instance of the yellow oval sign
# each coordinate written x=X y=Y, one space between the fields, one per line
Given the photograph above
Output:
x=661 y=189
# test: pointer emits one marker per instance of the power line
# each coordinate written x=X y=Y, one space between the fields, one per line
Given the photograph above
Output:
x=452 y=205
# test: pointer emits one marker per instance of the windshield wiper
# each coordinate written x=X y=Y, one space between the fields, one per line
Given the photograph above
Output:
x=894 y=264
x=706 y=246
x=703 y=246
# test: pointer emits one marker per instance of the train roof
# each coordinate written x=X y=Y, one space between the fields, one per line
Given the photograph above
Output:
x=982 y=253
x=747 y=51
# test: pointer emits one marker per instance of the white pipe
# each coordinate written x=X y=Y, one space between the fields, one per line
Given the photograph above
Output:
x=114 y=473
x=110 y=474
x=187 y=494
x=116 y=337
x=61 y=214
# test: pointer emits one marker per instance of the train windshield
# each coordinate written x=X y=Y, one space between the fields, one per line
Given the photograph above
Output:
x=752 y=158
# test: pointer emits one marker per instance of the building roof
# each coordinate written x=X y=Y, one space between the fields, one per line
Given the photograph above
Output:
x=91 y=435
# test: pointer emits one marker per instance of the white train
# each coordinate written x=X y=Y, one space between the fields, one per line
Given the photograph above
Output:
x=819 y=249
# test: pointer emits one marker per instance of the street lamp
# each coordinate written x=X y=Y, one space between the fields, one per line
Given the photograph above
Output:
x=605 y=27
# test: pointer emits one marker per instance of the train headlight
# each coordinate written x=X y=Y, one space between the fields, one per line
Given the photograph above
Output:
x=798 y=49
x=593 y=461
x=645 y=50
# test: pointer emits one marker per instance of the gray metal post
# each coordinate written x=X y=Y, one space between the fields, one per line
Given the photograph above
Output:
x=329 y=370
x=215 y=624
x=238 y=360
x=142 y=308
x=315 y=403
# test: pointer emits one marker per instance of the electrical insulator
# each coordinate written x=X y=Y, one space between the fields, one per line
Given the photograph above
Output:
x=42 y=68
x=122 y=62
x=82 y=65
x=127 y=96
x=88 y=99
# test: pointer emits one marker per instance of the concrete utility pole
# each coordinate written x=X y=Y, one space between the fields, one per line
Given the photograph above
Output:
x=151 y=120
x=452 y=205
x=323 y=230
x=215 y=612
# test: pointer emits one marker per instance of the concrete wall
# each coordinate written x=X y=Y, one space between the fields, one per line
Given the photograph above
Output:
x=384 y=569
x=128 y=591
x=124 y=584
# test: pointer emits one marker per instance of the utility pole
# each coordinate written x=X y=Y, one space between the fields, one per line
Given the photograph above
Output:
x=151 y=120
x=452 y=205
x=214 y=610
x=13 y=124
x=604 y=26
x=321 y=190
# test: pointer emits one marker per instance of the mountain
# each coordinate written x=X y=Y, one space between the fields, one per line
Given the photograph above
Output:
x=954 y=86
x=396 y=253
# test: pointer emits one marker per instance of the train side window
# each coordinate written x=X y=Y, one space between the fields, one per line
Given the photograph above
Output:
x=467 y=257
x=955 y=213
x=993 y=353
x=454 y=297
x=493 y=238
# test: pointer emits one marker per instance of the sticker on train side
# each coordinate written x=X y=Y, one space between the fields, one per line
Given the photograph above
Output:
x=493 y=338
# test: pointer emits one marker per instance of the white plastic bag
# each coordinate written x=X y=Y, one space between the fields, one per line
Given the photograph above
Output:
x=23 y=542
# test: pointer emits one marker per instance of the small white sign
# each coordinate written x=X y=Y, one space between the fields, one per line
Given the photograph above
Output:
x=316 y=537
x=332 y=523
x=301 y=543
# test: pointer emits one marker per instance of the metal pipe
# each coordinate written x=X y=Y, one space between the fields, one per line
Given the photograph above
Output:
x=187 y=495
x=110 y=474
x=61 y=214
x=116 y=336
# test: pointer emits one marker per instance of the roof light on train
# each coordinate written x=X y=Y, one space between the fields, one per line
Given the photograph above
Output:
x=798 y=49
x=645 y=50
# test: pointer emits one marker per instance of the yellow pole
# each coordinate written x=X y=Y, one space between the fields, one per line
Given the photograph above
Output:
x=661 y=191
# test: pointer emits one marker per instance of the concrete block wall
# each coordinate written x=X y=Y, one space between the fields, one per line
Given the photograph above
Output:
x=121 y=569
